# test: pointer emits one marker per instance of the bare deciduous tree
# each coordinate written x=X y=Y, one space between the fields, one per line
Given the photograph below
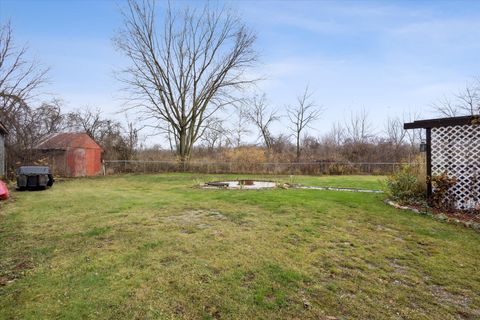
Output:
x=415 y=136
x=87 y=120
x=358 y=129
x=131 y=138
x=446 y=107
x=336 y=134
x=465 y=103
x=301 y=116
x=260 y=116
x=185 y=70
x=358 y=137
x=117 y=141
x=395 y=133
x=27 y=127
x=214 y=133
x=332 y=141
x=240 y=125
x=19 y=76
x=469 y=99
x=20 y=79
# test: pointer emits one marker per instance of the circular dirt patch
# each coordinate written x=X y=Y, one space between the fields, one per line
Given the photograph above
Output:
x=241 y=184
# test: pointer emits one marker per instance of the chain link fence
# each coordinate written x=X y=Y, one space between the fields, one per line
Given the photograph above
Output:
x=311 y=168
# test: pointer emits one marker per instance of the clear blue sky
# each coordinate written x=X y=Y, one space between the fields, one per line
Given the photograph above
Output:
x=387 y=57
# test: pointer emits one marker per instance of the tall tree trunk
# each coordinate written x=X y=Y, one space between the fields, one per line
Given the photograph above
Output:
x=298 y=147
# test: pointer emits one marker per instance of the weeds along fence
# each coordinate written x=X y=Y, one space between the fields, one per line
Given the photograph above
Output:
x=313 y=168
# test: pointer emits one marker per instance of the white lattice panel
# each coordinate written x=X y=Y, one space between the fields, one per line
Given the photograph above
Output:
x=456 y=151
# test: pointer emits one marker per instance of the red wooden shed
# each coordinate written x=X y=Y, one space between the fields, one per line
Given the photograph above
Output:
x=72 y=154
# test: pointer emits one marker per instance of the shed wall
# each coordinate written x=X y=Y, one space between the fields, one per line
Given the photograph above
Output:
x=94 y=163
x=83 y=162
x=56 y=159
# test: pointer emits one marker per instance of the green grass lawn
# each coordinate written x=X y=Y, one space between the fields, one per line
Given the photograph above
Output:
x=154 y=247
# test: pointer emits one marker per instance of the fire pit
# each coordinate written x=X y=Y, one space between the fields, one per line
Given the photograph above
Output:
x=240 y=184
x=266 y=184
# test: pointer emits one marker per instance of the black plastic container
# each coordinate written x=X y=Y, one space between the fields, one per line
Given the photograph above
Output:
x=34 y=177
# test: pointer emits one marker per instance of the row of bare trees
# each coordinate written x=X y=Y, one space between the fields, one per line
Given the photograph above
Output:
x=28 y=126
x=194 y=63
x=187 y=70
x=351 y=140
x=354 y=140
x=29 y=122
x=301 y=116
x=20 y=79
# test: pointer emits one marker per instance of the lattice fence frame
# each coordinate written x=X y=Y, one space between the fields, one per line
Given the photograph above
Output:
x=453 y=147
x=455 y=150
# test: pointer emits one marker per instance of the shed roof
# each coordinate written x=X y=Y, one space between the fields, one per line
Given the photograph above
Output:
x=443 y=122
x=3 y=129
x=64 y=141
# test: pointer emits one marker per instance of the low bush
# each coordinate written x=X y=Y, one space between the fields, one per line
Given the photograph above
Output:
x=404 y=186
x=443 y=196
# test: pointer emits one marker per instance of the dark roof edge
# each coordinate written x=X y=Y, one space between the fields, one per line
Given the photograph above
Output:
x=63 y=148
x=50 y=148
x=442 y=122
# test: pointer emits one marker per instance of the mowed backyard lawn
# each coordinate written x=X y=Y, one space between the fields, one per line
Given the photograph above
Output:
x=155 y=247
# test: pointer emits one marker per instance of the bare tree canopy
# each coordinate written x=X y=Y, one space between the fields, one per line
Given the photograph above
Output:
x=260 y=116
x=215 y=134
x=19 y=76
x=358 y=128
x=87 y=120
x=185 y=69
x=415 y=136
x=240 y=126
x=395 y=132
x=20 y=79
x=336 y=135
x=117 y=141
x=465 y=103
x=301 y=116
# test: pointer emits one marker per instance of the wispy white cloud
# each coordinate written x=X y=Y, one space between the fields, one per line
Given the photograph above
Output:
x=385 y=56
